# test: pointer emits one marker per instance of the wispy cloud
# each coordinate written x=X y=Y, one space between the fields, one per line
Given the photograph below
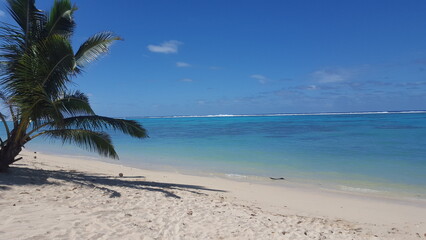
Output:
x=311 y=87
x=2 y=13
x=183 y=64
x=260 y=78
x=330 y=75
x=186 y=80
x=171 y=46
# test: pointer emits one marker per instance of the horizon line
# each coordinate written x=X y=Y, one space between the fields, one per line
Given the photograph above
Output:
x=281 y=114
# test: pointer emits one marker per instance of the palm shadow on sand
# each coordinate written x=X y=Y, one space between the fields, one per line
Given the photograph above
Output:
x=22 y=175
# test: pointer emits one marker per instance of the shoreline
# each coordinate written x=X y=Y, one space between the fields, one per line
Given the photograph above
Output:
x=385 y=160
x=395 y=194
x=74 y=182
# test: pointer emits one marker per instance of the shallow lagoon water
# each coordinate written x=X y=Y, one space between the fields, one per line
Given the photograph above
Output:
x=365 y=152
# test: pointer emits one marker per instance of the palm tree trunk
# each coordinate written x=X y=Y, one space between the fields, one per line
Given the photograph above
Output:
x=8 y=154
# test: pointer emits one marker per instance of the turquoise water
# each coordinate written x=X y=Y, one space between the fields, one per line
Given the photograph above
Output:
x=384 y=152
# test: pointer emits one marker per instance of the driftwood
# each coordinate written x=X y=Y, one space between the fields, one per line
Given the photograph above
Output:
x=281 y=178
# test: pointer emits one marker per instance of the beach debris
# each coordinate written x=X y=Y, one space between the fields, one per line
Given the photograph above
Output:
x=190 y=212
x=120 y=175
x=127 y=215
x=280 y=178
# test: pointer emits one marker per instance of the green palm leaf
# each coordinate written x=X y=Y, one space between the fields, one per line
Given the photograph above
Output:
x=42 y=73
x=60 y=18
x=129 y=127
x=90 y=140
x=28 y=17
x=13 y=42
x=73 y=104
x=94 y=47
x=55 y=63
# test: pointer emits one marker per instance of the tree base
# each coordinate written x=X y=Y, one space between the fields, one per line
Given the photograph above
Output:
x=7 y=156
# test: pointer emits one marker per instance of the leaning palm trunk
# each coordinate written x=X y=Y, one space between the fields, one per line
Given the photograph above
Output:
x=37 y=63
x=8 y=155
x=10 y=149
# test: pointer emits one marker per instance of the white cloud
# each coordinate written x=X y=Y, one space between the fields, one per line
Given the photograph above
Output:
x=166 y=47
x=260 y=78
x=330 y=76
x=186 y=80
x=183 y=64
x=2 y=13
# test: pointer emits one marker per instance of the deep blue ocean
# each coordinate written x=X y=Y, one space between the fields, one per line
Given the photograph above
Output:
x=383 y=152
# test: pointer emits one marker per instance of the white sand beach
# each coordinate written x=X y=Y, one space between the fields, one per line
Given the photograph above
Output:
x=55 y=197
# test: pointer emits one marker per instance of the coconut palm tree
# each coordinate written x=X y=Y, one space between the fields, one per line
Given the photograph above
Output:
x=37 y=64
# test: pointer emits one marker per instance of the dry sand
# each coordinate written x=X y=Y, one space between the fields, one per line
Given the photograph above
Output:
x=54 y=197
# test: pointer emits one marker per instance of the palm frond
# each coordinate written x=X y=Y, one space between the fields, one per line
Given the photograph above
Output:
x=60 y=18
x=74 y=104
x=55 y=72
x=28 y=17
x=3 y=97
x=12 y=40
x=90 y=140
x=12 y=47
x=7 y=102
x=95 y=122
x=48 y=65
x=94 y=47
x=37 y=107
x=70 y=104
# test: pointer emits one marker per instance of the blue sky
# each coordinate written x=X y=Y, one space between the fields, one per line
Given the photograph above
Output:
x=245 y=57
